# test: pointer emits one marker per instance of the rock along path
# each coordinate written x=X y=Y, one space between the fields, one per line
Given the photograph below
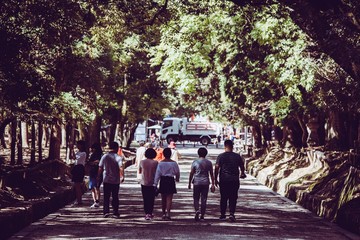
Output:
x=261 y=214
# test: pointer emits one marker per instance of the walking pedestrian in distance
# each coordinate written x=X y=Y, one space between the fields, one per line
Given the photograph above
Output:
x=167 y=173
x=140 y=155
x=94 y=184
x=111 y=167
x=201 y=170
x=147 y=169
x=175 y=155
x=78 y=171
x=228 y=165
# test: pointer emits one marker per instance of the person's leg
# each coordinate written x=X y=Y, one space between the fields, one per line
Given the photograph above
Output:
x=151 y=200
x=107 y=193
x=93 y=194
x=223 y=198
x=169 y=199
x=204 y=194
x=163 y=204
x=98 y=185
x=233 y=196
x=148 y=198
x=115 y=198
x=78 y=192
x=143 y=193
x=97 y=195
x=196 y=197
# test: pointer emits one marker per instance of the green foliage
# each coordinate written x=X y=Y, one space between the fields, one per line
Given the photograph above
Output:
x=75 y=59
x=67 y=106
x=250 y=60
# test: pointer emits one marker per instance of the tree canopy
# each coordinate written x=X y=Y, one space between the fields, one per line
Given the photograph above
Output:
x=247 y=61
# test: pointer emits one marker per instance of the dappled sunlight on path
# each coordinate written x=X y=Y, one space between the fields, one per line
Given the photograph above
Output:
x=261 y=214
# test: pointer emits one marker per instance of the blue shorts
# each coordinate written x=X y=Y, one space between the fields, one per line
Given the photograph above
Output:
x=92 y=183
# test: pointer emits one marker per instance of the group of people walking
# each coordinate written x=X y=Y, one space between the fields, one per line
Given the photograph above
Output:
x=106 y=169
x=229 y=168
x=160 y=177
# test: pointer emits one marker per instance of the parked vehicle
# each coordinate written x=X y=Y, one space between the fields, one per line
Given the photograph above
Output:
x=180 y=129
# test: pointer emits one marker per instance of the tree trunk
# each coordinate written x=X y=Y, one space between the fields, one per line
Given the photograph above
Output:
x=256 y=132
x=82 y=131
x=335 y=132
x=312 y=128
x=47 y=134
x=126 y=133
x=292 y=134
x=63 y=136
x=94 y=131
x=266 y=135
x=24 y=134
x=40 y=140
x=304 y=135
x=2 y=131
x=353 y=125
x=70 y=141
x=19 y=145
x=321 y=129
x=13 y=141
x=278 y=133
x=113 y=123
x=55 y=141
x=33 y=143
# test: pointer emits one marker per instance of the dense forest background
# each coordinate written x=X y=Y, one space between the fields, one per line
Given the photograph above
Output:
x=69 y=68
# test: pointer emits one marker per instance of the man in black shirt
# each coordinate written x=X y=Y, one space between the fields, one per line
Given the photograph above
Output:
x=228 y=164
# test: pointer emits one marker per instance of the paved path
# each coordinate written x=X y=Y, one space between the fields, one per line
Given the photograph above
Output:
x=262 y=214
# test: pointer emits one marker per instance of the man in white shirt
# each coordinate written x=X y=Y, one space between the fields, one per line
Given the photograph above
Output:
x=140 y=155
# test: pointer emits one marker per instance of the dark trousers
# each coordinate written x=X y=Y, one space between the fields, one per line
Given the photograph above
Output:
x=200 y=192
x=113 y=191
x=228 y=192
x=148 y=193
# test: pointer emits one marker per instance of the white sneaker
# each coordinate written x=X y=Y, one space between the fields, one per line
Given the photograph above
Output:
x=95 y=205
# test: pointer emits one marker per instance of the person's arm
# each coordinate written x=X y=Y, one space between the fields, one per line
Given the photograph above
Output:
x=242 y=168
x=177 y=176
x=217 y=167
x=212 y=179
x=121 y=168
x=122 y=175
x=100 y=171
x=157 y=176
x=101 y=168
x=191 y=175
x=178 y=154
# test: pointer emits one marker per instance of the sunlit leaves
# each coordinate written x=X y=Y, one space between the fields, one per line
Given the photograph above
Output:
x=67 y=106
x=257 y=57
